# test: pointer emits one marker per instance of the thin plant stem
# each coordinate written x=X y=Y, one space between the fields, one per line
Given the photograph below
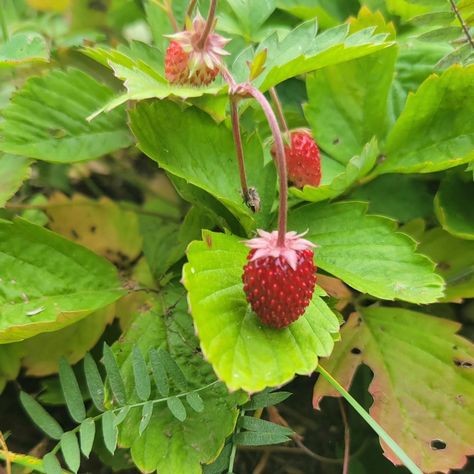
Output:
x=279 y=110
x=209 y=24
x=167 y=7
x=238 y=147
x=189 y=10
x=3 y=445
x=233 y=451
x=280 y=158
x=462 y=22
x=347 y=438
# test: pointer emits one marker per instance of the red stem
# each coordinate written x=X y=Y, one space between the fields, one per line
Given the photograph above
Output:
x=280 y=158
x=209 y=24
x=238 y=147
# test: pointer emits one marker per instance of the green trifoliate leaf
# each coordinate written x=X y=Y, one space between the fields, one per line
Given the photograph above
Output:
x=435 y=130
x=244 y=353
x=367 y=253
x=48 y=282
x=46 y=119
x=454 y=206
x=166 y=444
x=409 y=354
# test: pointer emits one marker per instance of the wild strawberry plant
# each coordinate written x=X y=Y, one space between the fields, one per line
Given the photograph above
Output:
x=205 y=201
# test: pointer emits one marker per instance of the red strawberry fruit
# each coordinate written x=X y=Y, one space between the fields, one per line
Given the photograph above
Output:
x=302 y=159
x=279 y=280
x=187 y=62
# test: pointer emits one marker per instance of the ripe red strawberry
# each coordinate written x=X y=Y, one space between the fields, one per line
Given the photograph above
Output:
x=279 y=280
x=302 y=159
x=189 y=63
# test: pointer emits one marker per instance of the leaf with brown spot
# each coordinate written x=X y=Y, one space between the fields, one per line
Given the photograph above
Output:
x=422 y=386
x=100 y=225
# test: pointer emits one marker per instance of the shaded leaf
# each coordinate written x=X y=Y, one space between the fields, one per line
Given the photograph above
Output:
x=409 y=354
x=251 y=14
x=140 y=371
x=109 y=431
x=113 y=375
x=266 y=399
x=51 y=464
x=252 y=423
x=48 y=282
x=94 y=382
x=46 y=119
x=71 y=391
x=455 y=262
x=70 y=450
x=452 y=208
x=446 y=33
x=195 y=401
x=229 y=331
x=367 y=253
x=10 y=357
x=177 y=408
x=435 y=130
x=86 y=436
x=40 y=416
x=13 y=171
x=147 y=411
x=159 y=373
x=251 y=438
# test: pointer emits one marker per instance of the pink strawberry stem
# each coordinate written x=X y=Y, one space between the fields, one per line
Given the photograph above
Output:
x=238 y=147
x=209 y=24
x=279 y=110
x=167 y=7
x=280 y=158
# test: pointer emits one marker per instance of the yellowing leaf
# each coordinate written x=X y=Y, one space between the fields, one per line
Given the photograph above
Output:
x=100 y=225
x=422 y=386
x=49 y=5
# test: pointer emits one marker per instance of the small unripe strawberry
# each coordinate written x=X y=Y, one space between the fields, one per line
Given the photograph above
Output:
x=303 y=159
x=279 y=280
x=187 y=62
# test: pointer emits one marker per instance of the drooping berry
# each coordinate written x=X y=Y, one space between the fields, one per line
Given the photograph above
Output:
x=187 y=62
x=303 y=159
x=279 y=280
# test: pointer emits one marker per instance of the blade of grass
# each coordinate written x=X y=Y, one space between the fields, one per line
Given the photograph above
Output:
x=409 y=464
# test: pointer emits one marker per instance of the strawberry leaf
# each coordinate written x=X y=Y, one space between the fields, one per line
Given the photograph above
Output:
x=451 y=209
x=166 y=444
x=190 y=145
x=435 y=130
x=302 y=51
x=244 y=353
x=24 y=48
x=344 y=121
x=367 y=253
x=13 y=171
x=48 y=282
x=335 y=179
x=46 y=119
x=409 y=354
